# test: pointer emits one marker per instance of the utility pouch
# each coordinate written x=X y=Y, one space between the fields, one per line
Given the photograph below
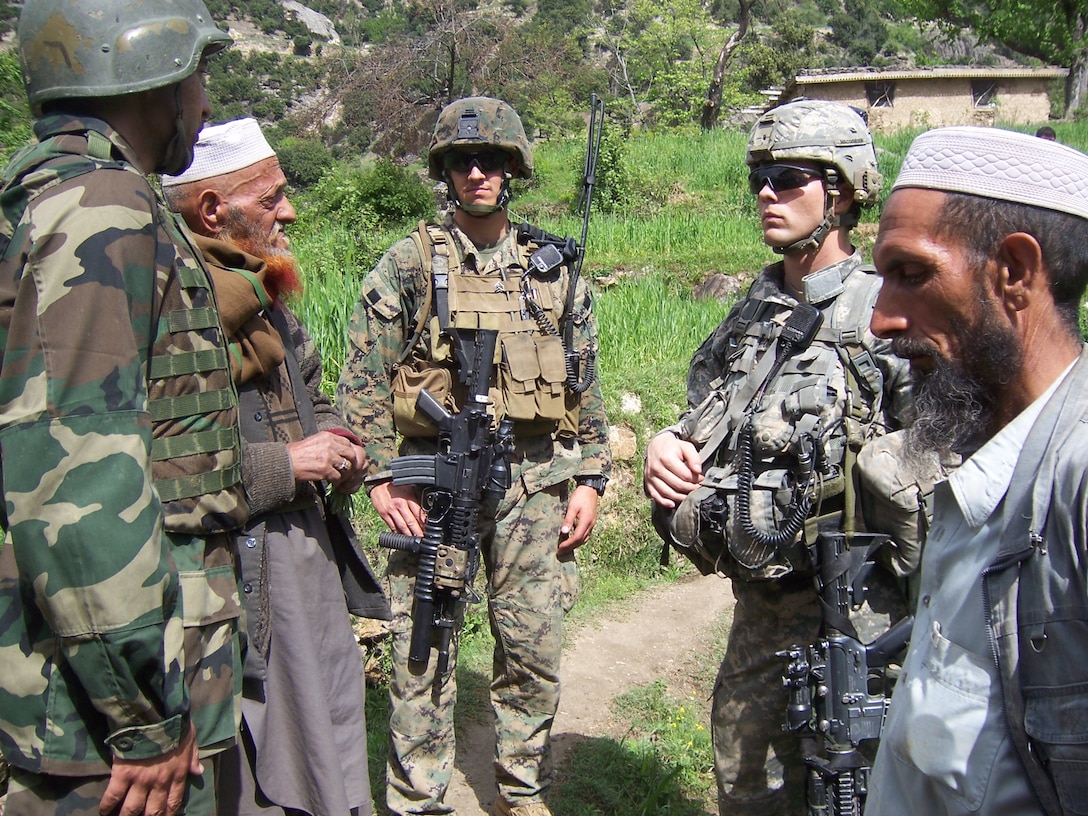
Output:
x=705 y=530
x=407 y=383
x=894 y=492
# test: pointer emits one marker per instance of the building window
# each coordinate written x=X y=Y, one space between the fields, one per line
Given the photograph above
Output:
x=881 y=94
x=984 y=93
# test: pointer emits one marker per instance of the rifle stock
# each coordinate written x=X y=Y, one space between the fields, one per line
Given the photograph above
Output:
x=461 y=484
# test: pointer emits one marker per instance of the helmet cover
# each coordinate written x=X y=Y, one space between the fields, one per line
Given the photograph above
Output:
x=827 y=133
x=478 y=121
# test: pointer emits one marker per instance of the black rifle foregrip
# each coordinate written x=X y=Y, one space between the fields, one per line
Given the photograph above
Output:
x=399 y=541
x=423 y=611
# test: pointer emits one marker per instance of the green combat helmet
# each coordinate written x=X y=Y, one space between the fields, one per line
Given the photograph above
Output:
x=99 y=48
x=832 y=135
x=479 y=122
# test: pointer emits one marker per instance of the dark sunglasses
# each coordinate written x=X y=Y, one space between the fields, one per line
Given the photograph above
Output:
x=781 y=177
x=487 y=160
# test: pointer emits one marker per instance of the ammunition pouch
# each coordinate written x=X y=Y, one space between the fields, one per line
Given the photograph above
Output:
x=705 y=529
x=532 y=378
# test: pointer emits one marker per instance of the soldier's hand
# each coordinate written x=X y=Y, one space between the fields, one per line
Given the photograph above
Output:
x=580 y=519
x=399 y=507
x=673 y=469
x=152 y=786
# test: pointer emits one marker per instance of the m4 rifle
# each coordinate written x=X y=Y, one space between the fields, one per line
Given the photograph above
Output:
x=461 y=485
x=839 y=689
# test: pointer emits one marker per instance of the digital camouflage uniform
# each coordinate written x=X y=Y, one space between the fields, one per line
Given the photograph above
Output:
x=529 y=587
x=778 y=606
x=842 y=391
x=121 y=476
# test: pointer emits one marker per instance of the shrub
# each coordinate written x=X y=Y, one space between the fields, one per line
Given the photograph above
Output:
x=364 y=197
x=303 y=161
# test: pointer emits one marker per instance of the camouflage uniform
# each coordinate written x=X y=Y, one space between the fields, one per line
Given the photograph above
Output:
x=758 y=766
x=529 y=587
x=121 y=475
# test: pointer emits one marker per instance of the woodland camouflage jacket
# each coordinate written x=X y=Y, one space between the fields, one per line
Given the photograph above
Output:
x=381 y=327
x=119 y=452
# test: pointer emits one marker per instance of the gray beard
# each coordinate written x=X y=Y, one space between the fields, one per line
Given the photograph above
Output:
x=953 y=414
x=956 y=403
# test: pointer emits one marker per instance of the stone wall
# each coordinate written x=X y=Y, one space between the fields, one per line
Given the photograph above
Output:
x=936 y=102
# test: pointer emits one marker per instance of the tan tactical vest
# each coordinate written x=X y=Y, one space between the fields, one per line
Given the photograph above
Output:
x=526 y=309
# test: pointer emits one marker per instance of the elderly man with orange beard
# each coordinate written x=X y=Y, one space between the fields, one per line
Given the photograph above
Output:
x=303 y=745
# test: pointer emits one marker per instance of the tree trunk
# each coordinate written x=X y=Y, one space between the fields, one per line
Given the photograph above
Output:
x=713 y=104
x=1076 y=88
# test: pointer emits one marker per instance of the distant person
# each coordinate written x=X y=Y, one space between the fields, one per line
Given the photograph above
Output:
x=472 y=268
x=303 y=743
x=119 y=442
x=983 y=248
x=1047 y=132
x=812 y=167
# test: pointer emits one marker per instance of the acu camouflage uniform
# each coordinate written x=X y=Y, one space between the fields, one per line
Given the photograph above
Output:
x=120 y=454
x=759 y=766
x=529 y=587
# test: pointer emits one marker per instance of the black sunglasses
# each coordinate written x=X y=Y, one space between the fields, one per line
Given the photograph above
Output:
x=781 y=177
x=487 y=160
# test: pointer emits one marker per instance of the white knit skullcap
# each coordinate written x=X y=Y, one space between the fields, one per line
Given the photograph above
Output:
x=999 y=164
x=222 y=149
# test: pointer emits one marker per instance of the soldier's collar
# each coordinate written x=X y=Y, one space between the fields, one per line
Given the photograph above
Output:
x=827 y=283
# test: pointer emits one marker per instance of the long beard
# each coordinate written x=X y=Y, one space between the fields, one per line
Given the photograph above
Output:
x=956 y=404
x=281 y=278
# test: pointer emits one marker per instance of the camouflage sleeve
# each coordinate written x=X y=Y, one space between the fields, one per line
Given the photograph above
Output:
x=592 y=420
x=85 y=524
x=898 y=394
x=380 y=327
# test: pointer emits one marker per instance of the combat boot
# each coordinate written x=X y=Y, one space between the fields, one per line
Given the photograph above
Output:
x=504 y=808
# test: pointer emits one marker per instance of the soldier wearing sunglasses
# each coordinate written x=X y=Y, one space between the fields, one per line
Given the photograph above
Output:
x=769 y=419
x=470 y=269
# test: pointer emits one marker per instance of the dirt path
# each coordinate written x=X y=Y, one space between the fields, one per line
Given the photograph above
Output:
x=659 y=635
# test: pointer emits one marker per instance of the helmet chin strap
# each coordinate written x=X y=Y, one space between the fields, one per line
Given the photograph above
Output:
x=179 y=151
x=480 y=210
x=815 y=239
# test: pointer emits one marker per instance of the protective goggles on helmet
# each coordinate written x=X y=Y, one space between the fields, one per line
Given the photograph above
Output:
x=781 y=177
x=462 y=161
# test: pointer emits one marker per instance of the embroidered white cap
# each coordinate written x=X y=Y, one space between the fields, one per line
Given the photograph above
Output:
x=1000 y=164
x=224 y=148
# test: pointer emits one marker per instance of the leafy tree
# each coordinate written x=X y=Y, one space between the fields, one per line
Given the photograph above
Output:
x=712 y=105
x=859 y=31
x=564 y=15
x=361 y=198
x=1054 y=32
x=658 y=56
